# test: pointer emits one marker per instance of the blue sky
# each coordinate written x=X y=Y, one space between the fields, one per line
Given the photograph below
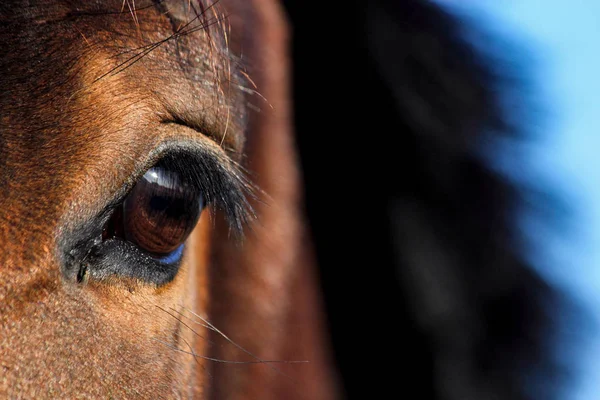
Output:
x=563 y=39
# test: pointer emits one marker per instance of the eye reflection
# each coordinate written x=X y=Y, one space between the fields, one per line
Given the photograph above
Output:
x=159 y=213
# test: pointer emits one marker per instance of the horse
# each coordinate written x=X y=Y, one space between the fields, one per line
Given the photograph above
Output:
x=165 y=228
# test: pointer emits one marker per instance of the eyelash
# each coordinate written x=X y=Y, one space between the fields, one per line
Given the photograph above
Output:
x=219 y=179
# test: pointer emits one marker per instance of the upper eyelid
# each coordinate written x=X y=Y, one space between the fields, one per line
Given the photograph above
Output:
x=227 y=140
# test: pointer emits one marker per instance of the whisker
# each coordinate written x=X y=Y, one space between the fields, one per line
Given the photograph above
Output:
x=219 y=360
x=258 y=359
x=193 y=353
x=186 y=325
x=212 y=327
x=247 y=76
x=148 y=49
x=226 y=126
x=122 y=11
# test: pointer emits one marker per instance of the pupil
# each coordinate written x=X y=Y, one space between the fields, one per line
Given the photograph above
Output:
x=174 y=208
x=159 y=203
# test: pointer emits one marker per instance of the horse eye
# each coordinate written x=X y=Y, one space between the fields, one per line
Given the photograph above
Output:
x=159 y=213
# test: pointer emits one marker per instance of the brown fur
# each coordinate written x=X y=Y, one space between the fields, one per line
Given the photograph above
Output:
x=72 y=135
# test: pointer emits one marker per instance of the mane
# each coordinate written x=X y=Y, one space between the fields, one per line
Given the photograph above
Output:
x=426 y=282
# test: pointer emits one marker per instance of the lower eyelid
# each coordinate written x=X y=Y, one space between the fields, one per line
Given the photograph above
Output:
x=117 y=257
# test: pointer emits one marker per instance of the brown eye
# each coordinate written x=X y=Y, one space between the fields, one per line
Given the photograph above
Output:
x=141 y=232
x=160 y=211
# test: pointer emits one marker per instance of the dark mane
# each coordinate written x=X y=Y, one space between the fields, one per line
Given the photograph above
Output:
x=426 y=284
